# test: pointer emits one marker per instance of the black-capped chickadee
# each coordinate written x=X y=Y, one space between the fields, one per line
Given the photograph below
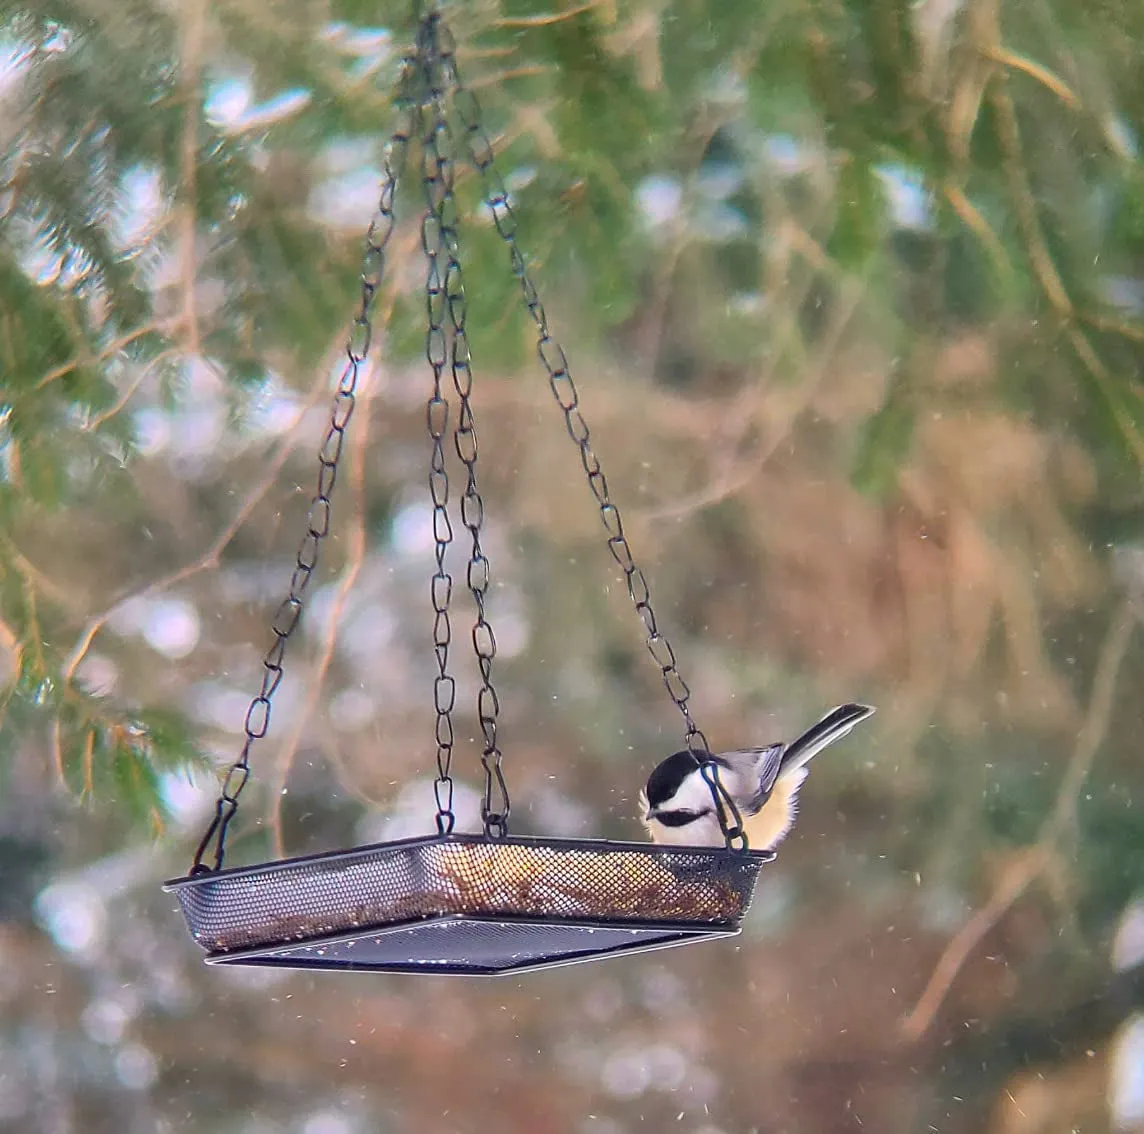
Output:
x=676 y=806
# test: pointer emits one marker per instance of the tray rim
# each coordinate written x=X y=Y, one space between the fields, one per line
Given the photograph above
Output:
x=657 y=850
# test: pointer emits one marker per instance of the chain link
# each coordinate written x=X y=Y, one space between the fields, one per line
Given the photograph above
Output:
x=439 y=148
x=289 y=613
x=555 y=362
x=437 y=418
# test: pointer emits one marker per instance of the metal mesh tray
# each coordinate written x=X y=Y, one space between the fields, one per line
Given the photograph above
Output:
x=465 y=904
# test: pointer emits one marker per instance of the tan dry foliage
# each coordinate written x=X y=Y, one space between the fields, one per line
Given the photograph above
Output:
x=942 y=591
x=975 y=546
x=1040 y=1101
x=11 y=654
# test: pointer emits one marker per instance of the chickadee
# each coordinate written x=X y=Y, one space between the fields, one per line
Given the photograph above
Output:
x=677 y=808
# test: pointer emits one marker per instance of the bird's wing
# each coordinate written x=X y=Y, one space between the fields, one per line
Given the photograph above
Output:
x=755 y=770
x=760 y=769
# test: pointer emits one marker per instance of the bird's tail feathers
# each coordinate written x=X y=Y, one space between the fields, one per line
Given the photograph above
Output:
x=834 y=726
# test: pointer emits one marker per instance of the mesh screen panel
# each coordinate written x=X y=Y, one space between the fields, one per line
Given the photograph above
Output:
x=461 y=903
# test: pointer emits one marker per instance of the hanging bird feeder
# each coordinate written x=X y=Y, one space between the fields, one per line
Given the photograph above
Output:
x=455 y=903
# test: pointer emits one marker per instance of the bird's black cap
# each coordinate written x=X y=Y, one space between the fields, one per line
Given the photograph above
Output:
x=664 y=782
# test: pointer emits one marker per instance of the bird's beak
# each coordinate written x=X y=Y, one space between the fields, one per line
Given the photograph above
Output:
x=650 y=814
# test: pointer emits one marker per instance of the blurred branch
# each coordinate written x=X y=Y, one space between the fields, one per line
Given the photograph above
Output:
x=190 y=65
x=468 y=51
x=1040 y=259
x=33 y=576
x=131 y=389
x=209 y=560
x=973 y=220
x=742 y=472
x=359 y=438
x=1029 y=864
x=986 y=78
x=1023 y=202
x=709 y=121
x=544 y=19
x=1036 y=71
x=1131 y=331
x=88 y=763
x=112 y=348
x=33 y=620
x=524 y=71
x=356 y=557
x=11 y=662
x=11 y=642
x=347 y=776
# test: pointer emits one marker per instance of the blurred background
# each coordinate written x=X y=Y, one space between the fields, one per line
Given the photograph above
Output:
x=854 y=294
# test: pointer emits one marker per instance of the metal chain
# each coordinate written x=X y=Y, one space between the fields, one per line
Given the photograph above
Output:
x=289 y=613
x=437 y=417
x=438 y=73
x=555 y=362
x=439 y=147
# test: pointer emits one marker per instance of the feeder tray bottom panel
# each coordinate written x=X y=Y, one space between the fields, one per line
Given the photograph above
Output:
x=462 y=903
x=469 y=945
